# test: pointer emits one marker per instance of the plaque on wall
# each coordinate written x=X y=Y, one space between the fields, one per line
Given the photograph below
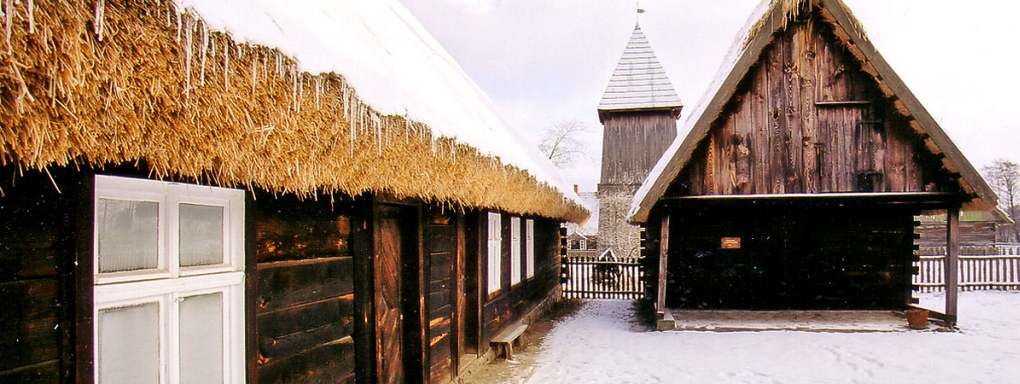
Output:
x=731 y=243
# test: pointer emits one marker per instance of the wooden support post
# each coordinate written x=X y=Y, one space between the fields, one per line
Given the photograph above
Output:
x=665 y=317
x=660 y=300
x=952 y=262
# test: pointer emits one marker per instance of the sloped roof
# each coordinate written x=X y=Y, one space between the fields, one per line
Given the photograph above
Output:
x=639 y=82
x=308 y=97
x=769 y=17
x=591 y=226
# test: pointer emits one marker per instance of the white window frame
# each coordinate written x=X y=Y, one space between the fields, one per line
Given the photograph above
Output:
x=529 y=245
x=495 y=243
x=515 y=251
x=169 y=284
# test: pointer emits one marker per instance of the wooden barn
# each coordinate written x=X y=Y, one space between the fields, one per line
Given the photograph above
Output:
x=798 y=181
x=283 y=195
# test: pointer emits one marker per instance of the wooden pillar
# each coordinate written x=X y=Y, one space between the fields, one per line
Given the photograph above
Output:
x=660 y=300
x=952 y=262
x=363 y=249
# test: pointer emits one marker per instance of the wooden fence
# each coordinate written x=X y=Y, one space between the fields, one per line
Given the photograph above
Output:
x=980 y=268
x=587 y=277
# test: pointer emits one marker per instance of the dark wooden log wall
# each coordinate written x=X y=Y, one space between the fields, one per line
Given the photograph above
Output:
x=806 y=119
x=792 y=255
x=632 y=143
x=305 y=299
x=37 y=246
x=509 y=304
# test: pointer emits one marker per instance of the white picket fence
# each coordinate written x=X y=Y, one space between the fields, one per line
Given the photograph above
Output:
x=589 y=277
x=980 y=268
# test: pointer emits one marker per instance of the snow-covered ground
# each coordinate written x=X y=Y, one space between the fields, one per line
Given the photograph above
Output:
x=600 y=344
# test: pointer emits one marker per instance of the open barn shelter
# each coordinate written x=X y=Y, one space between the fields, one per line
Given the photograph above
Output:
x=798 y=181
x=292 y=193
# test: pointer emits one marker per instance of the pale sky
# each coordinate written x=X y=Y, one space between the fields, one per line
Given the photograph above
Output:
x=542 y=61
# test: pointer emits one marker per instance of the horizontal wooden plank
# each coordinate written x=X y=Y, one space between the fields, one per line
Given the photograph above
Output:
x=441 y=371
x=27 y=264
x=442 y=239
x=288 y=283
x=440 y=299
x=327 y=363
x=27 y=300
x=29 y=342
x=306 y=317
x=44 y=372
x=442 y=285
x=281 y=347
x=440 y=314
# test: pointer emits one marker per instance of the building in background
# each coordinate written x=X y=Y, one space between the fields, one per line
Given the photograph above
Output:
x=638 y=111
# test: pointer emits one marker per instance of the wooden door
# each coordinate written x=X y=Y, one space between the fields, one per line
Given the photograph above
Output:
x=391 y=251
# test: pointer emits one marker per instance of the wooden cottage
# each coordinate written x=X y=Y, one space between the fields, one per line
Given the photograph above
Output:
x=797 y=184
x=292 y=194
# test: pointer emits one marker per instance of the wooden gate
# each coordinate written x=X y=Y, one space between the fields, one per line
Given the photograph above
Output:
x=588 y=277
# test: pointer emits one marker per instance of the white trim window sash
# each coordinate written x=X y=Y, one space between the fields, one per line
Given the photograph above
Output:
x=515 y=251
x=529 y=233
x=168 y=273
x=495 y=242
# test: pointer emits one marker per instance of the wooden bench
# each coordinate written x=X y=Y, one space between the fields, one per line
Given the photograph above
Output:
x=505 y=340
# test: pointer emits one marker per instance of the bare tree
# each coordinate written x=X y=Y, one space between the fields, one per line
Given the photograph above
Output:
x=561 y=142
x=1004 y=176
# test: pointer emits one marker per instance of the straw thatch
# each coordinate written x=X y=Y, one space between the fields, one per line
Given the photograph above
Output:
x=790 y=10
x=121 y=81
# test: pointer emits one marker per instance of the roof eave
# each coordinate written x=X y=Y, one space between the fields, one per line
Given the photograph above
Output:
x=674 y=110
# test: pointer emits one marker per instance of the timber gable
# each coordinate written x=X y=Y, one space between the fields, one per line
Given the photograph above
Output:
x=806 y=104
x=807 y=119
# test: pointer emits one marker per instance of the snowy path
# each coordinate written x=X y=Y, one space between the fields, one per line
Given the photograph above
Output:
x=600 y=345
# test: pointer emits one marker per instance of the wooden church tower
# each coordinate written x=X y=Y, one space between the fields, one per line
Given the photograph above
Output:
x=638 y=112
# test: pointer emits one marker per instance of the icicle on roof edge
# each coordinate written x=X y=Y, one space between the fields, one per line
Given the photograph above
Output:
x=389 y=58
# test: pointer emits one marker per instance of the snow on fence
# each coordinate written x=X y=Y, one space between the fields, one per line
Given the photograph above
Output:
x=587 y=277
x=994 y=267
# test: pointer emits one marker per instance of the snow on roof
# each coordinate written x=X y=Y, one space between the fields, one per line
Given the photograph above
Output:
x=639 y=82
x=389 y=58
x=591 y=226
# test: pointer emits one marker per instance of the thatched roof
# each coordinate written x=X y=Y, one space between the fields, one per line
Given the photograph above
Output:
x=770 y=17
x=116 y=81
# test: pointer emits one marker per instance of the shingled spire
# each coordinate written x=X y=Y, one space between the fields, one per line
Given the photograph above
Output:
x=639 y=82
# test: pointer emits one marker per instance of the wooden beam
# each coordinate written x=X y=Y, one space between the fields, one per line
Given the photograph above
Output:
x=251 y=288
x=660 y=300
x=841 y=103
x=952 y=262
x=82 y=277
x=363 y=249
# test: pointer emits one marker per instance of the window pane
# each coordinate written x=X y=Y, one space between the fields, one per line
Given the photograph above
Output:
x=128 y=235
x=202 y=339
x=128 y=343
x=201 y=241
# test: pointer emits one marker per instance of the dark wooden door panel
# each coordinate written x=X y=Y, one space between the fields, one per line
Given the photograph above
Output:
x=388 y=288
